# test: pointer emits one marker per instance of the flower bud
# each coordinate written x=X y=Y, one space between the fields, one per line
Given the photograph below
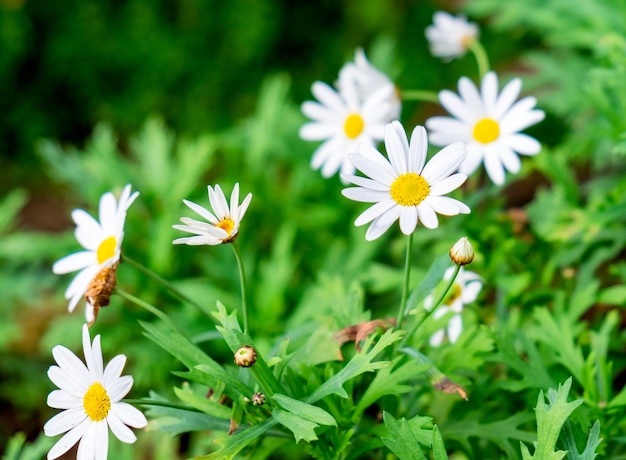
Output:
x=462 y=253
x=245 y=356
x=258 y=399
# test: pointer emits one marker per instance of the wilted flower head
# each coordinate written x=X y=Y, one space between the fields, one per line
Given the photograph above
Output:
x=222 y=227
x=465 y=289
x=90 y=397
x=368 y=80
x=102 y=241
x=450 y=36
x=489 y=124
x=404 y=187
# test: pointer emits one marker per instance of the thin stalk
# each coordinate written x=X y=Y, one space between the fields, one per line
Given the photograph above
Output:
x=420 y=95
x=166 y=283
x=481 y=57
x=151 y=402
x=426 y=313
x=405 y=285
x=146 y=306
x=242 y=283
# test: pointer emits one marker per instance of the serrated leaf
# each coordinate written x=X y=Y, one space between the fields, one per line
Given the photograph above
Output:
x=300 y=427
x=439 y=449
x=401 y=441
x=306 y=411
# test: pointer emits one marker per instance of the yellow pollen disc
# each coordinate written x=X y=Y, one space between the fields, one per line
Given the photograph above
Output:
x=353 y=125
x=466 y=41
x=106 y=250
x=409 y=189
x=453 y=294
x=96 y=402
x=486 y=130
x=226 y=224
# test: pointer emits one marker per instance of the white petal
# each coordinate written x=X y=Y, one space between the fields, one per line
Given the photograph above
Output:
x=446 y=130
x=218 y=202
x=408 y=219
x=365 y=195
x=318 y=131
x=444 y=163
x=455 y=327
x=129 y=415
x=507 y=98
x=74 y=262
x=376 y=230
x=317 y=111
x=396 y=145
x=437 y=338
x=60 y=399
x=523 y=144
x=374 y=212
x=328 y=96
x=418 y=149
x=510 y=160
x=427 y=216
x=121 y=431
x=384 y=175
x=244 y=207
x=202 y=212
x=113 y=370
x=473 y=159
x=494 y=168
x=447 y=184
x=93 y=355
x=366 y=183
x=119 y=388
x=88 y=231
x=455 y=105
x=67 y=441
x=65 y=421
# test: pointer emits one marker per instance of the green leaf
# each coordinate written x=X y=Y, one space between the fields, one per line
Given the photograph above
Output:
x=233 y=444
x=401 y=441
x=203 y=404
x=439 y=449
x=550 y=419
x=593 y=441
x=300 y=427
x=428 y=283
x=304 y=410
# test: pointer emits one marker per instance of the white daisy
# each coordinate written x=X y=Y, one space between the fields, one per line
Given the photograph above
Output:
x=102 y=240
x=465 y=289
x=402 y=187
x=368 y=79
x=450 y=36
x=223 y=227
x=343 y=120
x=91 y=399
x=489 y=124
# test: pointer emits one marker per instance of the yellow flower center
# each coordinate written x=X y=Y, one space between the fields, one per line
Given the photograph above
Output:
x=453 y=294
x=466 y=41
x=353 y=125
x=226 y=224
x=106 y=250
x=486 y=130
x=409 y=189
x=96 y=402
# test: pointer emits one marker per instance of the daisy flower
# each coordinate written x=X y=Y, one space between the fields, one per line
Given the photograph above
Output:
x=450 y=36
x=343 y=120
x=403 y=187
x=90 y=397
x=222 y=227
x=368 y=79
x=465 y=289
x=102 y=241
x=489 y=124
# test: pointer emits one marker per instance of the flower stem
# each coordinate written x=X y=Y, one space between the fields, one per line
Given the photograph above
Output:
x=405 y=286
x=167 y=284
x=146 y=306
x=425 y=314
x=481 y=57
x=242 y=282
x=420 y=95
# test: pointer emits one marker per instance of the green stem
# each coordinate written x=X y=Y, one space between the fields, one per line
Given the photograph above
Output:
x=405 y=285
x=425 y=314
x=420 y=95
x=242 y=282
x=481 y=57
x=167 y=284
x=146 y=306
x=152 y=402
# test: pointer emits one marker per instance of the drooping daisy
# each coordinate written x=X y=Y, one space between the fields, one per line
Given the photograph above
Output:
x=90 y=397
x=222 y=227
x=403 y=187
x=489 y=124
x=465 y=289
x=342 y=120
x=449 y=36
x=368 y=79
x=102 y=241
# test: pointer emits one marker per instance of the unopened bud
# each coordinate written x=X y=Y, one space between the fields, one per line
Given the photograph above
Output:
x=258 y=399
x=462 y=253
x=245 y=356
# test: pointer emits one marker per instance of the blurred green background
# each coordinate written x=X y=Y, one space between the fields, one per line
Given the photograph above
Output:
x=173 y=95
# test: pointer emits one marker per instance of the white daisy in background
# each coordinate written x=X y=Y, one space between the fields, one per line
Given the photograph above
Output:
x=402 y=187
x=102 y=240
x=450 y=36
x=91 y=399
x=489 y=124
x=368 y=79
x=343 y=120
x=223 y=227
x=465 y=289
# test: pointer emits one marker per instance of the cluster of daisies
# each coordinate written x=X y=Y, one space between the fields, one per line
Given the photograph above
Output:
x=351 y=119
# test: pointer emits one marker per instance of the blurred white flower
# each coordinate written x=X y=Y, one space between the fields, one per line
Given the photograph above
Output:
x=221 y=228
x=368 y=80
x=489 y=124
x=449 y=36
x=102 y=241
x=90 y=397
x=465 y=289
x=403 y=187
